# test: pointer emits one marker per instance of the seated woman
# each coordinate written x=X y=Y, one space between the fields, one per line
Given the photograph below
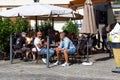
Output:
x=28 y=44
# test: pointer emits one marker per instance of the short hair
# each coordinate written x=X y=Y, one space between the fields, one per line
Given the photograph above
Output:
x=39 y=32
x=63 y=34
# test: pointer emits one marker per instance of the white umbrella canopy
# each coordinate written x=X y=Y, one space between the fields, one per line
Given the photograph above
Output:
x=35 y=9
x=10 y=13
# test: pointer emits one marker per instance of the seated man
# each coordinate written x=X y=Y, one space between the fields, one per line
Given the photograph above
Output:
x=19 y=41
x=19 y=45
x=67 y=47
x=38 y=42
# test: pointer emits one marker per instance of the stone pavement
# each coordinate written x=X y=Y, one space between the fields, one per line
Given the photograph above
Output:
x=101 y=70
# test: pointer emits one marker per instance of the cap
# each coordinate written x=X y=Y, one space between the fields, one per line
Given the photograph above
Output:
x=23 y=33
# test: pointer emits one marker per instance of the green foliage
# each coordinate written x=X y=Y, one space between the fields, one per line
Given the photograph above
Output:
x=5 y=31
x=71 y=27
x=21 y=25
x=45 y=26
x=8 y=27
x=117 y=1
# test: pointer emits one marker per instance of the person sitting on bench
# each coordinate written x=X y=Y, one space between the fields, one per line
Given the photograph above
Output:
x=67 y=47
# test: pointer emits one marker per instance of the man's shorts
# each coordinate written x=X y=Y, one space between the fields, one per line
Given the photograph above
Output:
x=72 y=51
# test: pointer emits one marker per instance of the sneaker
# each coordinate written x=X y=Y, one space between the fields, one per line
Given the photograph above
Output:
x=57 y=63
x=116 y=70
x=44 y=60
x=65 y=64
x=25 y=59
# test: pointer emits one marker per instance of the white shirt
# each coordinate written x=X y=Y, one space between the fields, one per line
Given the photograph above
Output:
x=36 y=42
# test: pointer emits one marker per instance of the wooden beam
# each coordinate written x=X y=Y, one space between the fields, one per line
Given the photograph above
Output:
x=79 y=3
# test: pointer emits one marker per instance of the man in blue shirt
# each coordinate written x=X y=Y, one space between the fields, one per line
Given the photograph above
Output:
x=67 y=47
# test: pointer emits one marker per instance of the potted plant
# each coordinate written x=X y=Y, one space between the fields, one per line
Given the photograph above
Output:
x=71 y=27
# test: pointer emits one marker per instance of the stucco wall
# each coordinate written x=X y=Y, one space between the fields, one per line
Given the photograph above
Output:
x=22 y=2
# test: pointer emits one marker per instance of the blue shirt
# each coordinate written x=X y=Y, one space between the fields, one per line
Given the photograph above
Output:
x=66 y=43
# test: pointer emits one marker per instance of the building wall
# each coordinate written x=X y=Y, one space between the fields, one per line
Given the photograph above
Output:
x=23 y=2
x=0 y=8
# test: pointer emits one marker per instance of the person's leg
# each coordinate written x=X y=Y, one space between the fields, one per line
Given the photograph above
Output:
x=66 y=55
x=103 y=43
x=44 y=51
x=106 y=45
x=58 y=53
x=26 y=55
x=34 y=51
x=28 y=51
x=33 y=55
x=67 y=52
x=51 y=53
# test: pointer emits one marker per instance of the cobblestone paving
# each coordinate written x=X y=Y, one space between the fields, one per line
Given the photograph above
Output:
x=101 y=70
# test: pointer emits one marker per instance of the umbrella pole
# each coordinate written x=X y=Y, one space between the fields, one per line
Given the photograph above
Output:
x=11 y=54
x=47 y=51
x=87 y=63
x=52 y=23
x=73 y=16
x=98 y=39
x=36 y=24
x=88 y=50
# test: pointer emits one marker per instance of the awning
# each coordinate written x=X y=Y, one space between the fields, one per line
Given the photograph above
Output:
x=78 y=3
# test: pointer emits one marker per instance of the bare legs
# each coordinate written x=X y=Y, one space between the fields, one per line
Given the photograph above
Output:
x=65 y=52
x=33 y=55
x=58 y=53
x=66 y=56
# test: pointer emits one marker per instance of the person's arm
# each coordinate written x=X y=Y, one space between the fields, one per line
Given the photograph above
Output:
x=66 y=44
x=60 y=46
x=26 y=41
x=38 y=43
x=39 y=46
